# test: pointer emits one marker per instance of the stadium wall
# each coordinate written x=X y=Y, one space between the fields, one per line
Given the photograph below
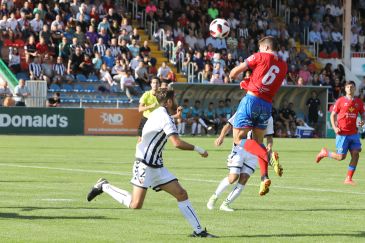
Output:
x=207 y=93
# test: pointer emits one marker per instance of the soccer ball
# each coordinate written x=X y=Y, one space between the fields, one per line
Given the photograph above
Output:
x=219 y=28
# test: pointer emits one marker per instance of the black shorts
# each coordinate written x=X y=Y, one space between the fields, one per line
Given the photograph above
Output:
x=141 y=125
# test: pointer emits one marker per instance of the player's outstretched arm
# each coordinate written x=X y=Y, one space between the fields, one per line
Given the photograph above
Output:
x=225 y=130
x=237 y=70
x=181 y=144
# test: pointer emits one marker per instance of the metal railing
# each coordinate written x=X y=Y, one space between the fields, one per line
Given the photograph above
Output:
x=191 y=72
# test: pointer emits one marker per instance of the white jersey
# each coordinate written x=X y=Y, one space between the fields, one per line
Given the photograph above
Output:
x=157 y=129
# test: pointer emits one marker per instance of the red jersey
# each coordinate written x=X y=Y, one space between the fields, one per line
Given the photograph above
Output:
x=268 y=73
x=347 y=111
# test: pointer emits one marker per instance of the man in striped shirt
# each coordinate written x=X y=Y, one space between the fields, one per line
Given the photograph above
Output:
x=148 y=169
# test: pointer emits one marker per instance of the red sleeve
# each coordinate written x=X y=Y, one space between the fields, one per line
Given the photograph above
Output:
x=336 y=106
x=253 y=60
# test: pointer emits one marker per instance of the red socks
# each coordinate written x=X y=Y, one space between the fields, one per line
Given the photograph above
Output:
x=255 y=148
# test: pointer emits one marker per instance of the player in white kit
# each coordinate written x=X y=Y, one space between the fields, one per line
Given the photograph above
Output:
x=241 y=165
x=149 y=170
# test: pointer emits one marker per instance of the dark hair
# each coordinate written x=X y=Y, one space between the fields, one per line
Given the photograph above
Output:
x=186 y=100
x=157 y=78
x=163 y=95
x=350 y=82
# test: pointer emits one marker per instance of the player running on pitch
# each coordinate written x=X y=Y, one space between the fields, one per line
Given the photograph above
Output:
x=343 y=121
x=149 y=170
x=241 y=165
x=268 y=73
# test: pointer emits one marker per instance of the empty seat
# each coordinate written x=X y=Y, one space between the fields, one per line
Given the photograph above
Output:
x=90 y=89
x=78 y=88
x=81 y=78
x=54 y=88
x=93 y=78
x=67 y=88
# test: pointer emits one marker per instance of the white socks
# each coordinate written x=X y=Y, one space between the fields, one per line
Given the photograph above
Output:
x=179 y=126
x=201 y=121
x=187 y=210
x=222 y=186
x=193 y=128
x=120 y=195
x=183 y=127
x=235 y=193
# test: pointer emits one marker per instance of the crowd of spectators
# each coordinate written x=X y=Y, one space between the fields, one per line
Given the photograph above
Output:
x=57 y=40
x=310 y=22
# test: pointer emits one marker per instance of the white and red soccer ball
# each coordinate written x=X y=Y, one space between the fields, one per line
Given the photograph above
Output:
x=219 y=28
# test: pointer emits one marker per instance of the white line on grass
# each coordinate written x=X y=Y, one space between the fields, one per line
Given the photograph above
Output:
x=186 y=179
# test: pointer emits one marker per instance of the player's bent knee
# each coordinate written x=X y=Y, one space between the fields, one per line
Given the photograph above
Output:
x=182 y=195
x=232 y=178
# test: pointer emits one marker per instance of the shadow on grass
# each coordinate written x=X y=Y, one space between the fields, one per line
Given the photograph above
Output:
x=302 y=210
x=360 y=234
x=18 y=216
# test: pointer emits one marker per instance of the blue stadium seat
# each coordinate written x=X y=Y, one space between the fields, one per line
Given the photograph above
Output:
x=81 y=78
x=114 y=89
x=93 y=78
x=66 y=88
x=78 y=88
x=22 y=75
x=54 y=88
x=90 y=89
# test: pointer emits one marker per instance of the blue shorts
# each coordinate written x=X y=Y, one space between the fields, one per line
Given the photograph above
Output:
x=252 y=112
x=344 y=143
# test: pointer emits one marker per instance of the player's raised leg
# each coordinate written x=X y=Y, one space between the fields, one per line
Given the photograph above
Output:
x=120 y=195
x=187 y=210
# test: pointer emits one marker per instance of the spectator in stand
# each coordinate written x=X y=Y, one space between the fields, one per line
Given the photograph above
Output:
x=91 y=35
x=21 y=92
x=118 y=71
x=163 y=71
x=74 y=62
x=127 y=84
x=108 y=59
x=100 y=47
x=30 y=49
x=4 y=92
x=14 y=60
x=106 y=77
x=47 y=68
x=283 y=54
x=36 y=24
x=338 y=89
x=86 y=66
x=305 y=74
x=60 y=73
x=42 y=48
x=133 y=48
x=141 y=76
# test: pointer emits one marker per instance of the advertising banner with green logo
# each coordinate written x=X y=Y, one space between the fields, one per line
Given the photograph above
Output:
x=19 y=120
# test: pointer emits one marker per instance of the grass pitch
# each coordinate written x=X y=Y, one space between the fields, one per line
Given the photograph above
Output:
x=44 y=182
